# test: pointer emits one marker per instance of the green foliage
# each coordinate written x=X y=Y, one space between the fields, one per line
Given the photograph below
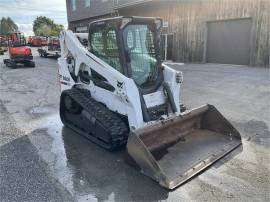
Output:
x=7 y=25
x=43 y=30
x=56 y=30
x=43 y=26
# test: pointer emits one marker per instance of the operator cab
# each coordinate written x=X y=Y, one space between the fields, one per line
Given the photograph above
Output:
x=130 y=45
x=16 y=39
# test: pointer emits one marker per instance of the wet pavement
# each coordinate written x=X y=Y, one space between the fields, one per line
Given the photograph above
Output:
x=40 y=160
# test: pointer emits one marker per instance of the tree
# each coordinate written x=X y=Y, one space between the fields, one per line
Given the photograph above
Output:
x=43 y=26
x=7 y=25
x=43 y=30
x=56 y=30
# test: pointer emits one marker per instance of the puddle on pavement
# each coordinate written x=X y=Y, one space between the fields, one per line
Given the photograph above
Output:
x=89 y=172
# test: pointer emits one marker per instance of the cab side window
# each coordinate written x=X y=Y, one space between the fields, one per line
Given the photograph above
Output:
x=104 y=45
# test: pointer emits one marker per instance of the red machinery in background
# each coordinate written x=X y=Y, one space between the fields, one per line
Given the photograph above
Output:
x=35 y=41
x=54 y=41
x=44 y=41
x=29 y=40
x=19 y=53
x=51 y=49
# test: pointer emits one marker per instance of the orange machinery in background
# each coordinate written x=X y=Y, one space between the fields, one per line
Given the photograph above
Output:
x=19 y=53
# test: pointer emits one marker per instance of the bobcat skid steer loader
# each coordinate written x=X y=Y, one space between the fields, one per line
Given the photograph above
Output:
x=116 y=92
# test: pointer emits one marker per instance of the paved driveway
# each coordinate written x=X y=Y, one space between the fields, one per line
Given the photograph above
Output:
x=40 y=160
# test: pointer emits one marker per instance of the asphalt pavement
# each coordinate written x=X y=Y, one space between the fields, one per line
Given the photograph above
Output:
x=40 y=160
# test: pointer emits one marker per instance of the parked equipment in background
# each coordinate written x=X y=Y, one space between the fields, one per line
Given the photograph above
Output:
x=29 y=40
x=116 y=92
x=19 y=53
x=35 y=41
x=44 y=41
x=52 y=49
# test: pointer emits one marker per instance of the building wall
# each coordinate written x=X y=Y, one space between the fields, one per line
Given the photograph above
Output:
x=74 y=25
x=187 y=20
x=82 y=15
x=96 y=8
x=125 y=3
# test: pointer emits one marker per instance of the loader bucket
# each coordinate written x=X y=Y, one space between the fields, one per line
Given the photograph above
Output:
x=174 y=150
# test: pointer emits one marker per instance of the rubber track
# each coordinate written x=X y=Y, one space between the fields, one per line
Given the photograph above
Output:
x=113 y=124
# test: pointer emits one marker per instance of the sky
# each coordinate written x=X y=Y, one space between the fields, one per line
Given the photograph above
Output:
x=23 y=12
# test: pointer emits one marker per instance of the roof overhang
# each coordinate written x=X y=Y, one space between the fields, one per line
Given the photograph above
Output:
x=129 y=4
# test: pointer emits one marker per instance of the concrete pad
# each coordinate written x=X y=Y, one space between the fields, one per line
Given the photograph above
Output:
x=53 y=163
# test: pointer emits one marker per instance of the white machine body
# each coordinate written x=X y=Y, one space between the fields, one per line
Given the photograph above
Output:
x=125 y=99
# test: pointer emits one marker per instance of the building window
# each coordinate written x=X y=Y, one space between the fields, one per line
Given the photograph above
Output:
x=87 y=3
x=73 y=5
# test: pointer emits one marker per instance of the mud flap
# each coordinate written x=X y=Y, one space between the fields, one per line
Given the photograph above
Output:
x=174 y=150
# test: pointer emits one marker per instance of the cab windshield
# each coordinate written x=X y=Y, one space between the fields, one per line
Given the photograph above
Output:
x=141 y=53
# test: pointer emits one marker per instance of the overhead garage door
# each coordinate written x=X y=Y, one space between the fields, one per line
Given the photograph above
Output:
x=228 y=41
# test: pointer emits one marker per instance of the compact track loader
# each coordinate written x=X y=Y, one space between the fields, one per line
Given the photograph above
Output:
x=116 y=92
